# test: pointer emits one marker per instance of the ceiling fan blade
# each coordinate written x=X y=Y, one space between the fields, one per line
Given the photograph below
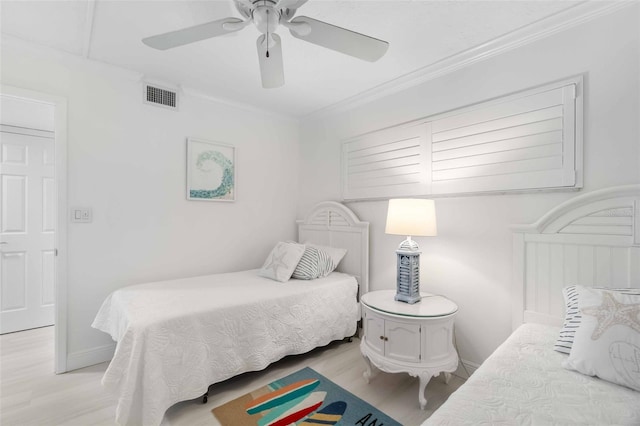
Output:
x=338 y=39
x=290 y=4
x=271 y=69
x=192 y=34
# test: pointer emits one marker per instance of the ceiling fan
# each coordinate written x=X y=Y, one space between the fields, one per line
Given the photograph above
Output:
x=267 y=15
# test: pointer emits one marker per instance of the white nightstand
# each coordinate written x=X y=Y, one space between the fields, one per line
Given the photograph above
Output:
x=403 y=338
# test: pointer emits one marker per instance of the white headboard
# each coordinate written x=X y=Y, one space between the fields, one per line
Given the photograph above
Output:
x=333 y=224
x=590 y=240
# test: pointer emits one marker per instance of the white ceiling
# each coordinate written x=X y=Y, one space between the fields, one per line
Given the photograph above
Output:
x=420 y=34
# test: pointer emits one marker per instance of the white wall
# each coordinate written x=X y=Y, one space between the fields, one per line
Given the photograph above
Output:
x=126 y=160
x=470 y=260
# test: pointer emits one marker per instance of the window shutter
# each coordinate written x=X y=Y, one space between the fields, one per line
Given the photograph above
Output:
x=525 y=141
x=384 y=163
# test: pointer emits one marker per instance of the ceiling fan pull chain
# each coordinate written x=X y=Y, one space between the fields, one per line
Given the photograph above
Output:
x=267 y=38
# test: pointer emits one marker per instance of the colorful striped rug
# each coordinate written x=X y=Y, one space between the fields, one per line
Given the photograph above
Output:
x=304 y=398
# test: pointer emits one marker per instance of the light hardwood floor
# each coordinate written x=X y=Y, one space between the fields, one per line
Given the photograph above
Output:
x=31 y=394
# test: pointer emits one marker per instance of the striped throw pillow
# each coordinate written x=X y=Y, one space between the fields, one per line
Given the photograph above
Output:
x=315 y=263
x=573 y=316
x=571 y=321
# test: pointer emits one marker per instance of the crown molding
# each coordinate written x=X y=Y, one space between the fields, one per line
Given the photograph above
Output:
x=561 y=21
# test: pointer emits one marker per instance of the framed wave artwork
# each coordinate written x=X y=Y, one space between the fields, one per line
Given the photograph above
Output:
x=210 y=171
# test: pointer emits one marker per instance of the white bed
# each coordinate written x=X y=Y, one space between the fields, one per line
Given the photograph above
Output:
x=175 y=338
x=591 y=240
x=523 y=383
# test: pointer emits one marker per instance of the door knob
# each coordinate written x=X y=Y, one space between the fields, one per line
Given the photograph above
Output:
x=3 y=242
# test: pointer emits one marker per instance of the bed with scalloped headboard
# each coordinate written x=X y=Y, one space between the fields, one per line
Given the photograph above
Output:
x=332 y=224
x=570 y=324
x=175 y=338
x=590 y=240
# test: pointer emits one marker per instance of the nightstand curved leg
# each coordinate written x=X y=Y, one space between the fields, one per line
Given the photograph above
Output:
x=447 y=378
x=368 y=372
x=424 y=381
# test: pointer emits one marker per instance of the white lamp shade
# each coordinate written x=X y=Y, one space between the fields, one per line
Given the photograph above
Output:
x=411 y=217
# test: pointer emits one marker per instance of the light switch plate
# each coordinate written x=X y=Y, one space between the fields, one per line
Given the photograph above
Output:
x=81 y=215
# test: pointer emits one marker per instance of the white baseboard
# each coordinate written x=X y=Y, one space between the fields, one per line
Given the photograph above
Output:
x=89 y=357
x=466 y=369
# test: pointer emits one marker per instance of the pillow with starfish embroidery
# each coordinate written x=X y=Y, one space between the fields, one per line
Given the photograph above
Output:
x=607 y=343
x=573 y=316
x=282 y=261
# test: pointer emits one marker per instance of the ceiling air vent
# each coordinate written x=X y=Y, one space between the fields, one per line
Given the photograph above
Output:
x=160 y=97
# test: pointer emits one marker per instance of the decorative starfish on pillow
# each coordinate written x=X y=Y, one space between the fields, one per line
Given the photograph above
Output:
x=611 y=313
x=277 y=261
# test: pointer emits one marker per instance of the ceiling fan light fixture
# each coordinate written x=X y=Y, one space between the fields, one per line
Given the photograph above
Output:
x=265 y=18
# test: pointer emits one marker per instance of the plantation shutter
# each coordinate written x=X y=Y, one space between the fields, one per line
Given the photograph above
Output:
x=392 y=161
x=522 y=142
x=528 y=140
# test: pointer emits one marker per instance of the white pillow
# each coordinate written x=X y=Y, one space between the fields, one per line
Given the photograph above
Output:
x=607 y=343
x=573 y=316
x=282 y=261
x=315 y=263
x=336 y=253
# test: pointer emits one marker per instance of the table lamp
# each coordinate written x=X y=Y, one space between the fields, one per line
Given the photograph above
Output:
x=409 y=217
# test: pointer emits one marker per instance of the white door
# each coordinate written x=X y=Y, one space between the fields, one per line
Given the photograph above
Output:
x=27 y=226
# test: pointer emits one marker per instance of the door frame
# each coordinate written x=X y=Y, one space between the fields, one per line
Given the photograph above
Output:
x=60 y=237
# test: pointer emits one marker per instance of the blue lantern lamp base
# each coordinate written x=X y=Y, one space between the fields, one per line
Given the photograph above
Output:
x=407 y=299
x=408 y=282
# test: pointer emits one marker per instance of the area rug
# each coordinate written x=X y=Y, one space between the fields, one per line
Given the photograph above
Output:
x=304 y=398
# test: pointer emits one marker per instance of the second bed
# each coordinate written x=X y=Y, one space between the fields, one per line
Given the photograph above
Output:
x=175 y=338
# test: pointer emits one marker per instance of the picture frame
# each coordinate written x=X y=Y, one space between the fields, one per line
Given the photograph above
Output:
x=211 y=171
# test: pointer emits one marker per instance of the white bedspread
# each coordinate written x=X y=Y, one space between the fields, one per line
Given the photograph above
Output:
x=177 y=337
x=523 y=383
